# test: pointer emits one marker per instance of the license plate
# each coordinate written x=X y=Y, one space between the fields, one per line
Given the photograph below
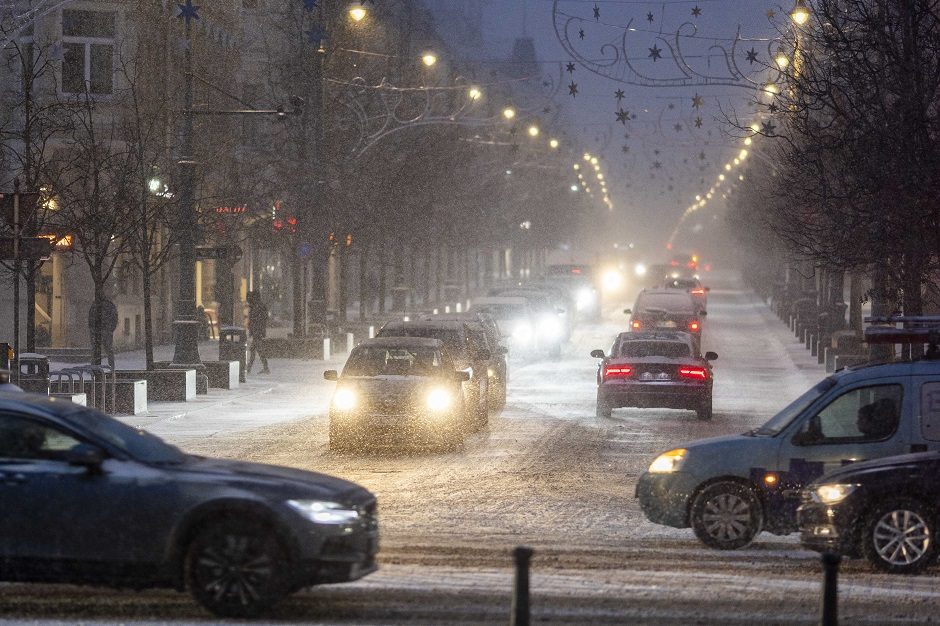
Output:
x=667 y=324
x=655 y=376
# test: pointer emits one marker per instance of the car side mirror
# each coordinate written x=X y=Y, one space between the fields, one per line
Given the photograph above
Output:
x=461 y=376
x=331 y=375
x=628 y=312
x=711 y=356
x=87 y=456
x=597 y=354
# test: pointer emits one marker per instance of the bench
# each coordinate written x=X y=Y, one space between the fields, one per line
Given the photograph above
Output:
x=164 y=385
x=222 y=374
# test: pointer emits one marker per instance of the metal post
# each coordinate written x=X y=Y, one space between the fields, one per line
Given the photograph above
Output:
x=187 y=326
x=15 y=365
x=520 y=596
x=829 y=615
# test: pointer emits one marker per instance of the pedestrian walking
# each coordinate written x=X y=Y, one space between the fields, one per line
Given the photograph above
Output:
x=108 y=314
x=257 y=330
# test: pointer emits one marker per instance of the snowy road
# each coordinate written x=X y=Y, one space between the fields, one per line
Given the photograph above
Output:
x=548 y=474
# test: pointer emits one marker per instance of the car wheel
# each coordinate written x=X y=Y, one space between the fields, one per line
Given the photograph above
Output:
x=726 y=515
x=704 y=410
x=603 y=407
x=898 y=537
x=236 y=569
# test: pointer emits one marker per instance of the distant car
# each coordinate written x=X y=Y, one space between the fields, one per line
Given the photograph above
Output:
x=485 y=331
x=516 y=320
x=654 y=370
x=398 y=390
x=467 y=352
x=665 y=310
x=580 y=281
x=552 y=324
x=86 y=499
x=886 y=510
x=693 y=286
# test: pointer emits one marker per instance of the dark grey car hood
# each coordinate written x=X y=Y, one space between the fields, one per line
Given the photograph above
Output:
x=920 y=459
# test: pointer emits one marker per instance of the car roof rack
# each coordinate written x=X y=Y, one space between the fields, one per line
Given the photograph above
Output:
x=916 y=329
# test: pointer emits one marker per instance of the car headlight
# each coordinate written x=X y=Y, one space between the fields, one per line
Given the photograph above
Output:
x=320 y=512
x=833 y=493
x=550 y=327
x=640 y=269
x=439 y=400
x=585 y=298
x=612 y=280
x=668 y=462
x=344 y=399
x=522 y=332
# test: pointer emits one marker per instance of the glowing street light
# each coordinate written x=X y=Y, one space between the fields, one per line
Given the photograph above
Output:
x=154 y=185
x=577 y=166
x=358 y=13
x=533 y=131
x=509 y=113
x=782 y=60
x=587 y=156
x=748 y=141
x=429 y=59
x=799 y=14
x=474 y=94
x=553 y=143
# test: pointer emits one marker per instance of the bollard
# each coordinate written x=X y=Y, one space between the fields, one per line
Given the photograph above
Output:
x=350 y=342
x=435 y=311
x=371 y=332
x=829 y=615
x=520 y=595
x=459 y=307
x=447 y=308
x=326 y=348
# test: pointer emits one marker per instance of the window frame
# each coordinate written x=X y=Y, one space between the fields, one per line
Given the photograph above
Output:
x=87 y=42
x=801 y=427
x=49 y=426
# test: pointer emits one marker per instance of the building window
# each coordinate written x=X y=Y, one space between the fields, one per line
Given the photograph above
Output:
x=88 y=51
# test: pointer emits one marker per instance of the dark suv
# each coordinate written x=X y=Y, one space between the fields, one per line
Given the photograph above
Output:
x=664 y=309
x=467 y=353
x=86 y=499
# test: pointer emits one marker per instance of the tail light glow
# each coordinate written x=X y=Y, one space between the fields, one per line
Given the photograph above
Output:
x=635 y=324
x=694 y=326
x=693 y=373
x=698 y=292
x=618 y=371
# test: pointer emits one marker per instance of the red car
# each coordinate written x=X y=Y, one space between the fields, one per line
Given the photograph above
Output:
x=654 y=370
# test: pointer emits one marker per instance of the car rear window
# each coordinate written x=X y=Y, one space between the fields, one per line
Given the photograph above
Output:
x=666 y=349
x=672 y=303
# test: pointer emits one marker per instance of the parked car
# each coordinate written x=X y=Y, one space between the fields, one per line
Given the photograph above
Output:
x=728 y=489
x=654 y=370
x=467 y=353
x=87 y=499
x=665 y=310
x=886 y=510
x=398 y=390
x=485 y=332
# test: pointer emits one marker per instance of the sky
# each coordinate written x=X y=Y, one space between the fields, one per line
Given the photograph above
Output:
x=675 y=139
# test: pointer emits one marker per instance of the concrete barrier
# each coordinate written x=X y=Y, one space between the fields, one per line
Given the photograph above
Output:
x=223 y=374
x=164 y=385
x=75 y=398
x=130 y=397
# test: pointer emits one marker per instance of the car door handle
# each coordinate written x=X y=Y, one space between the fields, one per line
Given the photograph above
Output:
x=12 y=479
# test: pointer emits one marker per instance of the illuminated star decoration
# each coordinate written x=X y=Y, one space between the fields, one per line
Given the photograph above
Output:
x=187 y=12
x=655 y=52
x=698 y=122
x=649 y=17
x=581 y=33
x=768 y=128
x=622 y=116
x=697 y=102
x=597 y=12
x=310 y=5
x=570 y=68
x=315 y=35
x=696 y=11
x=657 y=165
x=751 y=56
x=573 y=89
x=772 y=107
x=619 y=94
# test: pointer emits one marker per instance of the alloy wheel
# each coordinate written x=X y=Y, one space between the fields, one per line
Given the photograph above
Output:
x=901 y=537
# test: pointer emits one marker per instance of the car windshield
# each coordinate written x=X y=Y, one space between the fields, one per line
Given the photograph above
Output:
x=666 y=349
x=451 y=338
x=681 y=283
x=376 y=361
x=501 y=311
x=783 y=419
x=139 y=444
x=668 y=302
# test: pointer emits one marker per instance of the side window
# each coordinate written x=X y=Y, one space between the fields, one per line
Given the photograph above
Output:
x=24 y=439
x=930 y=411
x=860 y=415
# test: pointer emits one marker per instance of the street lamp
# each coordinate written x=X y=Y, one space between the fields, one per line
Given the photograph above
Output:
x=358 y=13
x=553 y=143
x=429 y=59
x=533 y=131
x=799 y=14
x=154 y=185
x=474 y=94
x=782 y=60
x=509 y=113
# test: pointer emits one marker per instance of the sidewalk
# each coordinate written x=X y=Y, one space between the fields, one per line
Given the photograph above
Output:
x=295 y=389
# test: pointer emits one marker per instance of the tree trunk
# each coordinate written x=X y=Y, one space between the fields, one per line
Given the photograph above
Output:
x=96 y=329
x=31 y=271
x=383 y=275
x=365 y=293
x=147 y=281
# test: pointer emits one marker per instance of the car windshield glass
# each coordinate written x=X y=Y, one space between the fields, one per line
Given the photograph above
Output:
x=500 y=311
x=666 y=349
x=376 y=361
x=783 y=419
x=673 y=303
x=138 y=443
x=681 y=283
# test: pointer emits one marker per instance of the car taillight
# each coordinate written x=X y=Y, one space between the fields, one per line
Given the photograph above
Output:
x=698 y=292
x=618 y=371
x=635 y=324
x=693 y=373
x=694 y=326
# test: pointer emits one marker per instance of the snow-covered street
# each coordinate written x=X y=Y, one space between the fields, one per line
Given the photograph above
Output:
x=548 y=474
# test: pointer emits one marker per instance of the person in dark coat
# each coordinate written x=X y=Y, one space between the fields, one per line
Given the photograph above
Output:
x=257 y=330
x=109 y=321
